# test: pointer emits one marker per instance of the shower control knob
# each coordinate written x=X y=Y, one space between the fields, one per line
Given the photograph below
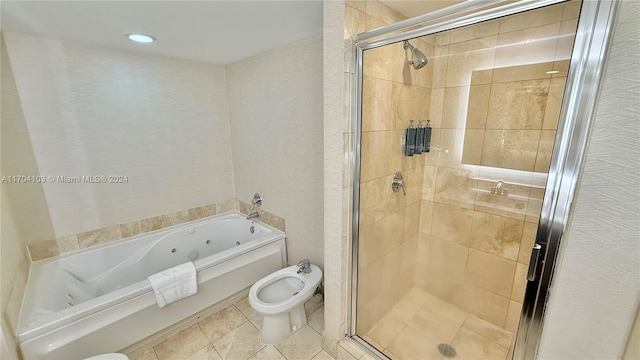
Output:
x=397 y=183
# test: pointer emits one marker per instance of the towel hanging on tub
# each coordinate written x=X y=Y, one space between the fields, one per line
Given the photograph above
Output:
x=174 y=283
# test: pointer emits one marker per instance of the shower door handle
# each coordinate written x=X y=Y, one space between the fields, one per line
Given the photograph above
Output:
x=533 y=262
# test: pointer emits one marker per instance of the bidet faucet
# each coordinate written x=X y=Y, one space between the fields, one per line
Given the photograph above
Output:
x=304 y=266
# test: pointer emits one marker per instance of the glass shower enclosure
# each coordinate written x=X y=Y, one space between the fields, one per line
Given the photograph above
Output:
x=456 y=130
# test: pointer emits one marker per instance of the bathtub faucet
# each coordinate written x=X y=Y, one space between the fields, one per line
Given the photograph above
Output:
x=256 y=202
x=304 y=266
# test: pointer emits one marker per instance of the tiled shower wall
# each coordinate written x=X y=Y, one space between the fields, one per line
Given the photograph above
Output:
x=393 y=94
x=494 y=109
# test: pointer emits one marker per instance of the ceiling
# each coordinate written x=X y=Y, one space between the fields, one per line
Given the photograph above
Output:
x=218 y=32
x=413 y=8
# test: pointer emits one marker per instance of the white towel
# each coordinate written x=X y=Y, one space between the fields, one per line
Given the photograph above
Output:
x=174 y=284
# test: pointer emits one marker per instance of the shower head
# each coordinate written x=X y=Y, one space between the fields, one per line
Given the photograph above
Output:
x=418 y=59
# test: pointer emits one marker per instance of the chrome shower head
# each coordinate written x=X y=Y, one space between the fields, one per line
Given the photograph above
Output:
x=418 y=59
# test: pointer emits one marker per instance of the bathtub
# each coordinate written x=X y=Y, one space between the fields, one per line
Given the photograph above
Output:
x=98 y=300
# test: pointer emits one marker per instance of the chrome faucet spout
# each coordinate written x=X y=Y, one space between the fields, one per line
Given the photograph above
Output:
x=304 y=266
x=253 y=215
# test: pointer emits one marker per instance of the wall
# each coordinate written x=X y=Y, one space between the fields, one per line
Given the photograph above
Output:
x=494 y=110
x=335 y=160
x=632 y=350
x=275 y=115
x=94 y=111
x=596 y=287
x=19 y=203
x=14 y=271
x=585 y=275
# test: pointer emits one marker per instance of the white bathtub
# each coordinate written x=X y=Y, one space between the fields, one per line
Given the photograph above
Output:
x=98 y=300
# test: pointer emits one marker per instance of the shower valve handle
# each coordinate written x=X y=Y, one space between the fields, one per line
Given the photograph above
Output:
x=398 y=183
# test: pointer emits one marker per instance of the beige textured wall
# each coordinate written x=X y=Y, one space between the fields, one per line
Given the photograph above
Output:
x=494 y=110
x=336 y=157
x=27 y=199
x=596 y=286
x=96 y=111
x=19 y=204
x=275 y=116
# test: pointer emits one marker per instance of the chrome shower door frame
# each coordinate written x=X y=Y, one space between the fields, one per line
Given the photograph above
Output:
x=577 y=113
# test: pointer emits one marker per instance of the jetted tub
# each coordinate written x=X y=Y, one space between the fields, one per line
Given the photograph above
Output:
x=99 y=300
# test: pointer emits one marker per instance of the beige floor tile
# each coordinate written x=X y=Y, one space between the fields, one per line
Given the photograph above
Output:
x=322 y=355
x=366 y=356
x=257 y=322
x=449 y=311
x=434 y=326
x=245 y=308
x=241 y=343
x=387 y=329
x=436 y=322
x=488 y=331
x=222 y=322
x=412 y=344
x=206 y=353
x=391 y=355
x=316 y=320
x=469 y=345
x=344 y=354
x=268 y=353
x=373 y=342
x=313 y=304
x=148 y=354
x=410 y=304
x=181 y=345
x=352 y=348
x=304 y=344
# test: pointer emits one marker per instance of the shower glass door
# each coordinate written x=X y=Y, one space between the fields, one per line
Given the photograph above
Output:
x=442 y=257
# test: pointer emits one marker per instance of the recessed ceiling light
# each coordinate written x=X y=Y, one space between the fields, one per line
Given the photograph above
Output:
x=141 y=38
x=553 y=71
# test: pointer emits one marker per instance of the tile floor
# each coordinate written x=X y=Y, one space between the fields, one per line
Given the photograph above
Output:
x=234 y=333
x=415 y=327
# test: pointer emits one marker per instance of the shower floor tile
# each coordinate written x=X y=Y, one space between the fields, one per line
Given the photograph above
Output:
x=234 y=333
x=420 y=322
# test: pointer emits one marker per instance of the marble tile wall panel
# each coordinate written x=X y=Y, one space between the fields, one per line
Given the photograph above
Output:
x=494 y=107
x=66 y=244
